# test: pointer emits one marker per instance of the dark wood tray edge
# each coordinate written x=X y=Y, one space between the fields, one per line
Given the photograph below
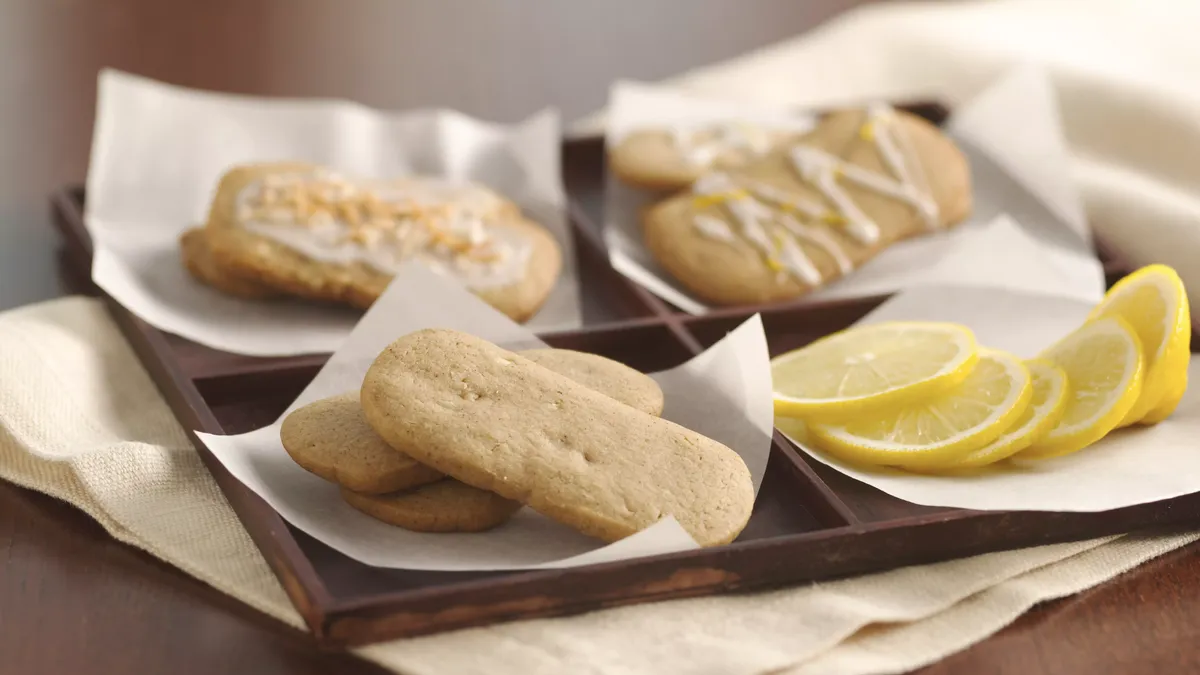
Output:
x=670 y=576
x=267 y=528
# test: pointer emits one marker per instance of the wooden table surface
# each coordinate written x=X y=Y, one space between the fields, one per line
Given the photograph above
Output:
x=72 y=600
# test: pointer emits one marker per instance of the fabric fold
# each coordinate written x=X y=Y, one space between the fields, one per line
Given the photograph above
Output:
x=112 y=449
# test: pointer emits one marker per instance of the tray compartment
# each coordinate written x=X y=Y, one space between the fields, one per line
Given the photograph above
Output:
x=606 y=295
x=247 y=398
x=585 y=170
x=778 y=511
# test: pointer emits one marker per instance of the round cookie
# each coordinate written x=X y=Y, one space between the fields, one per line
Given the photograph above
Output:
x=617 y=380
x=444 y=506
x=768 y=232
x=198 y=260
x=667 y=160
x=332 y=439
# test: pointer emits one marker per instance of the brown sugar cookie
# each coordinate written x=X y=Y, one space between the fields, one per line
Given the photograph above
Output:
x=331 y=438
x=312 y=233
x=614 y=379
x=499 y=422
x=199 y=262
x=671 y=159
x=444 y=506
x=807 y=214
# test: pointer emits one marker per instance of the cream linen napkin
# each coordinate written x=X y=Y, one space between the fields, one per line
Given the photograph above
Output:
x=81 y=420
x=1124 y=71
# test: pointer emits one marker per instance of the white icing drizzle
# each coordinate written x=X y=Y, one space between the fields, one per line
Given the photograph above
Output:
x=765 y=214
x=918 y=184
x=702 y=147
x=819 y=168
x=823 y=169
x=771 y=230
x=455 y=229
x=751 y=213
x=795 y=260
x=818 y=237
x=883 y=140
x=714 y=228
x=799 y=203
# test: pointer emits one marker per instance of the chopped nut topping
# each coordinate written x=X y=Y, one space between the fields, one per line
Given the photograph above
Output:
x=320 y=218
x=366 y=236
x=322 y=200
x=349 y=212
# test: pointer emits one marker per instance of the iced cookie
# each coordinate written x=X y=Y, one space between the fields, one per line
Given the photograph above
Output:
x=199 y=262
x=808 y=214
x=498 y=421
x=331 y=438
x=671 y=159
x=444 y=506
x=307 y=231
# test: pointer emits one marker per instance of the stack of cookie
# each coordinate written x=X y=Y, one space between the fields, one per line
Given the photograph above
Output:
x=301 y=230
x=450 y=433
x=761 y=216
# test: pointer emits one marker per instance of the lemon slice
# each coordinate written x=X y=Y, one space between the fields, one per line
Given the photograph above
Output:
x=871 y=366
x=1045 y=408
x=940 y=430
x=1104 y=365
x=1164 y=409
x=1155 y=304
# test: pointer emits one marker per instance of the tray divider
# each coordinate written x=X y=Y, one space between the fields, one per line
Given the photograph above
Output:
x=589 y=237
x=821 y=500
x=818 y=497
x=681 y=332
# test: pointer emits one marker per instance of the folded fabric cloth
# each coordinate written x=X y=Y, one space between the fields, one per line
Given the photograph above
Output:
x=1124 y=72
x=81 y=420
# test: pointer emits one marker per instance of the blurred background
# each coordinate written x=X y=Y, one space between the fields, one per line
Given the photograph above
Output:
x=1123 y=72
x=498 y=60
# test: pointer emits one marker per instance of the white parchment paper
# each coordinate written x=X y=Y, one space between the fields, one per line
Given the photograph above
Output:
x=1010 y=134
x=1129 y=466
x=724 y=393
x=159 y=150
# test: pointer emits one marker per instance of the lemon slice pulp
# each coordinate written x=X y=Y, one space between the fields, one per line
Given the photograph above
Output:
x=1045 y=408
x=871 y=366
x=1104 y=365
x=1154 y=303
x=937 y=431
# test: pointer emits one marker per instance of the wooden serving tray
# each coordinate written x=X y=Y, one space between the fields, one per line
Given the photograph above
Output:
x=809 y=521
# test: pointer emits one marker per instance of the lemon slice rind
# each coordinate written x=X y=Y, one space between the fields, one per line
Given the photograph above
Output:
x=1167 y=406
x=1166 y=360
x=950 y=373
x=1070 y=436
x=1051 y=387
x=837 y=440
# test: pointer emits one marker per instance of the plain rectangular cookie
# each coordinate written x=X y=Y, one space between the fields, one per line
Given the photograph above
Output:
x=500 y=422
